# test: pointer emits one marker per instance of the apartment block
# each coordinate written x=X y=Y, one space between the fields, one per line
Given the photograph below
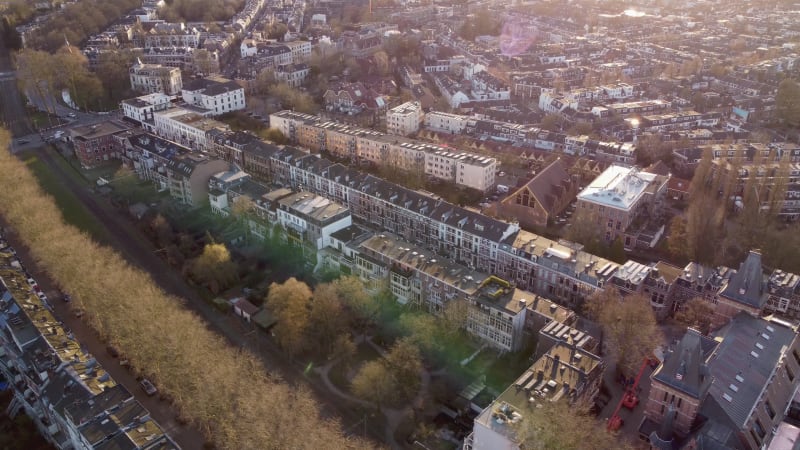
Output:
x=445 y=122
x=188 y=127
x=215 y=94
x=141 y=109
x=96 y=144
x=618 y=197
x=63 y=389
x=784 y=294
x=464 y=169
x=404 y=119
x=564 y=373
x=155 y=78
x=359 y=144
x=311 y=219
x=170 y=166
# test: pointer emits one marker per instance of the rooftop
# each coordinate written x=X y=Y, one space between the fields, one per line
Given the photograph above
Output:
x=742 y=365
x=563 y=256
x=561 y=372
x=311 y=206
x=191 y=118
x=86 y=132
x=407 y=256
x=746 y=285
x=617 y=187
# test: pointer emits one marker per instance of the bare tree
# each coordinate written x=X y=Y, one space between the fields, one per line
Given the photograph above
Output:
x=629 y=326
x=197 y=368
x=558 y=425
x=696 y=312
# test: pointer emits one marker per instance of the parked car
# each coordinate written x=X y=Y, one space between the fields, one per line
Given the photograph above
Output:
x=148 y=387
x=31 y=281
x=42 y=297
x=72 y=115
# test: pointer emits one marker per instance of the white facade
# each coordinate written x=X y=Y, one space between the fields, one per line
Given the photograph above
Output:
x=476 y=172
x=465 y=169
x=185 y=127
x=216 y=95
x=248 y=48
x=313 y=217
x=142 y=108
x=445 y=122
x=404 y=119
x=292 y=74
x=301 y=50
x=153 y=78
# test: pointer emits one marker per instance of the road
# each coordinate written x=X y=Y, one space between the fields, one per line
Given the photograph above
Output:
x=12 y=114
x=126 y=238
x=185 y=436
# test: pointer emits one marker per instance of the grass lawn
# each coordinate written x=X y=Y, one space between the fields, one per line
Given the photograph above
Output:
x=75 y=213
x=40 y=119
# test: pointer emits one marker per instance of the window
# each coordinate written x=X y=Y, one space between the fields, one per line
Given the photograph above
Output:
x=759 y=429
x=770 y=411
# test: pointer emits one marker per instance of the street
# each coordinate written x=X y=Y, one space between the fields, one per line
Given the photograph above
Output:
x=125 y=238
x=128 y=240
x=186 y=436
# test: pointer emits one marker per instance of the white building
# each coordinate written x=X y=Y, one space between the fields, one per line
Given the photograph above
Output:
x=292 y=74
x=186 y=127
x=248 y=48
x=445 y=122
x=152 y=78
x=311 y=219
x=465 y=169
x=141 y=109
x=618 y=196
x=216 y=94
x=301 y=50
x=404 y=119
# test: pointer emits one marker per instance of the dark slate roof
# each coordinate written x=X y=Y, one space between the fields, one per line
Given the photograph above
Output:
x=685 y=367
x=550 y=184
x=109 y=399
x=211 y=86
x=747 y=284
x=717 y=433
x=750 y=349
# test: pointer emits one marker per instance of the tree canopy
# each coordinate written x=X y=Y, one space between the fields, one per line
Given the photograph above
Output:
x=200 y=10
x=77 y=21
x=214 y=267
x=787 y=102
x=629 y=326
x=226 y=392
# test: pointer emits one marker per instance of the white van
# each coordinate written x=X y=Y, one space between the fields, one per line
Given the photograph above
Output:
x=502 y=189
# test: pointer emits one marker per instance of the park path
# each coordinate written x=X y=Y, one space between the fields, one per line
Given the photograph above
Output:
x=394 y=416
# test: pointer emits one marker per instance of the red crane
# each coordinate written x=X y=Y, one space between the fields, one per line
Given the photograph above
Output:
x=629 y=399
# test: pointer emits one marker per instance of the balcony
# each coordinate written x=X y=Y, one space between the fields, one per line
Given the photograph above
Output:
x=468 y=442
